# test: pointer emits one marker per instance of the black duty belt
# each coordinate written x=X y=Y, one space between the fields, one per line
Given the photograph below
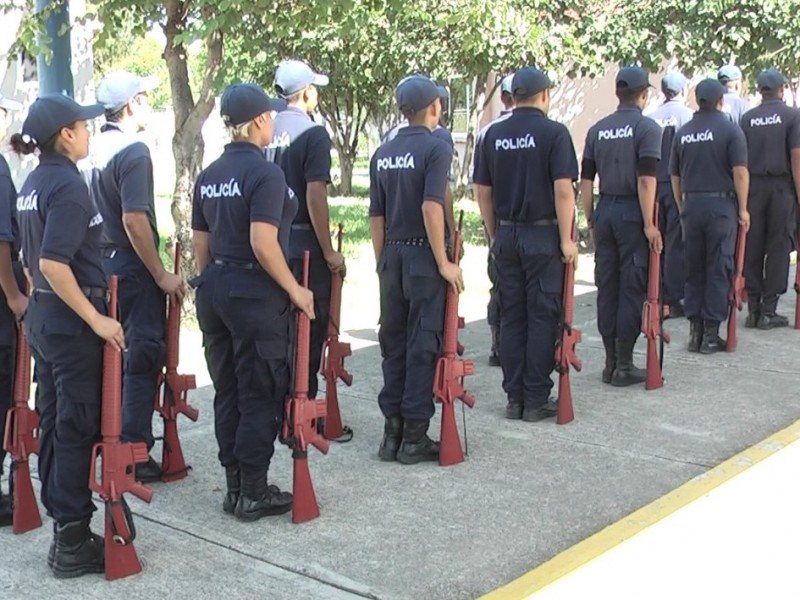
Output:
x=302 y=226
x=422 y=242
x=248 y=265
x=690 y=195
x=89 y=292
x=537 y=223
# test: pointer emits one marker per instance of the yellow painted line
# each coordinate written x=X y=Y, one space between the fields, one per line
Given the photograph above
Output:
x=624 y=529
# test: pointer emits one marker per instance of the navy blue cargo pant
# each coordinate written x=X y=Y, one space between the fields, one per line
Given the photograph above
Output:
x=709 y=235
x=493 y=308
x=621 y=262
x=69 y=370
x=244 y=317
x=769 y=240
x=319 y=279
x=8 y=343
x=142 y=312
x=669 y=222
x=412 y=322
x=531 y=280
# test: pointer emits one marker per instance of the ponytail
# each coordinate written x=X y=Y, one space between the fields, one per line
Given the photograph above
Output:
x=22 y=144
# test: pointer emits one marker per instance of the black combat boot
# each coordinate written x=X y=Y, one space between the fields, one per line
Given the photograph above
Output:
x=78 y=551
x=51 y=554
x=233 y=479
x=610 y=344
x=753 y=312
x=392 y=438
x=676 y=310
x=711 y=341
x=626 y=372
x=494 y=354
x=769 y=318
x=417 y=446
x=514 y=409
x=6 y=514
x=695 y=335
x=258 y=499
x=148 y=472
x=549 y=410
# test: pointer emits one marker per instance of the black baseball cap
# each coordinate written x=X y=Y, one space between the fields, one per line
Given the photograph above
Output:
x=633 y=77
x=51 y=112
x=771 y=79
x=415 y=93
x=243 y=102
x=528 y=82
x=709 y=90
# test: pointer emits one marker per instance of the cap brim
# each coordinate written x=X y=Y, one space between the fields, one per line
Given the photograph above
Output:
x=320 y=79
x=443 y=93
x=276 y=104
x=9 y=104
x=91 y=111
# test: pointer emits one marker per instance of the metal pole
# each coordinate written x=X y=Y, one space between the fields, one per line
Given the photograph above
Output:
x=55 y=75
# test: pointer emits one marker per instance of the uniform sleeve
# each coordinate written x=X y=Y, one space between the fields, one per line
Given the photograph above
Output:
x=67 y=222
x=436 y=168
x=481 y=173
x=377 y=200
x=737 y=148
x=317 y=165
x=8 y=197
x=267 y=198
x=443 y=134
x=793 y=134
x=648 y=139
x=136 y=180
x=675 y=156
x=198 y=218
x=563 y=162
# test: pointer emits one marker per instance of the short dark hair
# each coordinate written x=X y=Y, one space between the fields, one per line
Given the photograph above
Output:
x=115 y=116
x=415 y=117
x=669 y=94
x=772 y=94
x=706 y=105
x=628 y=95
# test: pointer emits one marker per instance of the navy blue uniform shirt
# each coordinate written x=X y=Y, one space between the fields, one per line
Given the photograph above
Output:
x=523 y=155
x=303 y=150
x=477 y=153
x=617 y=143
x=772 y=131
x=58 y=221
x=403 y=173
x=705 y=151
x=237 y=189
x=670 y=116
x=9 y=229
x=120 y=178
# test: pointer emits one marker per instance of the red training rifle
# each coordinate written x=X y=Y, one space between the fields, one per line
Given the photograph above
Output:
x=21 y=440
x=333 y=354
x=300 y=425
x=118 y=465
x=653 y=319
x=171 y=393
x=738 y=294
x=565 y=347
x=448 y=382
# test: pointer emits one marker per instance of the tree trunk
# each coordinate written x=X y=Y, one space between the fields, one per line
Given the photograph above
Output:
x=190 y=115
x=475 y=114
x=346 y=162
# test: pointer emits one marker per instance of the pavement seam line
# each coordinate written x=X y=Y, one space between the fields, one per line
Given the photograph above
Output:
x=613 y=535
x=288 y=569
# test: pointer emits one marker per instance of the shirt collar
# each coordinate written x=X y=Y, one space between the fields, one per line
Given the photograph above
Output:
x=772 y=101
x=243 y=147
x=295 y=111
x=628 y=108
x=529 y=110
x=413 y=130
x=58 y=159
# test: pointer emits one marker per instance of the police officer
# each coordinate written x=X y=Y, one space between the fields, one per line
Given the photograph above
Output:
x=734 y=105
x=303 y=150
x=709 y=172
x=11 y=282
x=623 y=149
x=671 y=116
x=772 y=130
x=66 y=321
x=120 y=176
x=527 y=202
x=408 y=177
x=241 y=216
x=493 y=308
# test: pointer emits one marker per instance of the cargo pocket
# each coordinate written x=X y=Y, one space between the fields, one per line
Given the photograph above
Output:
x=67 y=326
x=425 y=280
x=430 y=336
x=635 y=276
x=549 y=302
x=270 y=371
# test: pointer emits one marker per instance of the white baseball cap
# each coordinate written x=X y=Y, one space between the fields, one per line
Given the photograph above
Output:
x=117 y=89
x=293 y=76
x=9 y=104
